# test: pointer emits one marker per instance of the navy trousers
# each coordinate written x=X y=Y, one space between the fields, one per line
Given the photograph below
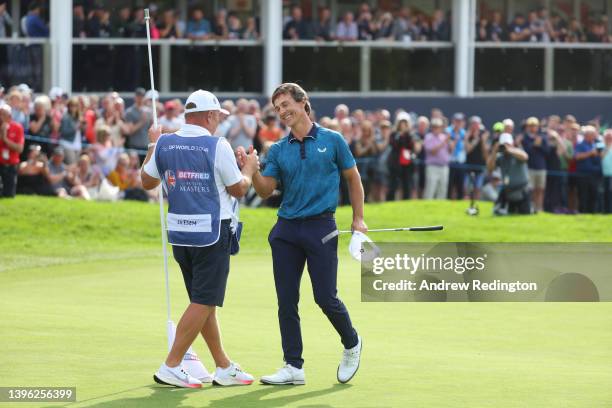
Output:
x=295 y=243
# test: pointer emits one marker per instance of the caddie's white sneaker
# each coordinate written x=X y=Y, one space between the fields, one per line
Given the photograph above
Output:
x=288 y=375
x=232 y=375
x=176 y=376
x=349 y=363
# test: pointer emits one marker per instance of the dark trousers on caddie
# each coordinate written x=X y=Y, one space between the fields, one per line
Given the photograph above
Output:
x=295 y=243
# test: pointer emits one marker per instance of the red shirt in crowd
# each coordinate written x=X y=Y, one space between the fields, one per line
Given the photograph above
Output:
x=14 y=133
x=90 y=131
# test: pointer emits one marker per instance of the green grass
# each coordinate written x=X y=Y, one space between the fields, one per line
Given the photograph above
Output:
x=82 y=304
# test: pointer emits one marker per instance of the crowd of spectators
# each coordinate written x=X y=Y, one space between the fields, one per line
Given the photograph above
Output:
x=94 y=20
x=91 y=147
x=165 y=23
x=367 y=24
x=541 y=26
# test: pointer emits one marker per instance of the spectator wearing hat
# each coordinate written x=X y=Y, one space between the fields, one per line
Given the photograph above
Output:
x=170 y=122
x=438 y=148
x=402 y=157
x=512 y=161
x=606 y=164
x=536 y=146
x=588 y=167
x=477 y=152
x=498 y=129
x=457 y=169
x=11 y=146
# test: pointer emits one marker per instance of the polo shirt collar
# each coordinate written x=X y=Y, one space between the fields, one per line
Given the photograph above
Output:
x=311 y=134
x=189 y=130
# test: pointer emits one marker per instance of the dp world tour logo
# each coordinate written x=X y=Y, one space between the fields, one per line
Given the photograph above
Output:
x=170 y=179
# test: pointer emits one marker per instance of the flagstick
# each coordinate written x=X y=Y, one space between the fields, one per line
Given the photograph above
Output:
x=161 y=190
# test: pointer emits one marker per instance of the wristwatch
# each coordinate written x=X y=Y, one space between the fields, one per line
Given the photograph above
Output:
x=150 y=145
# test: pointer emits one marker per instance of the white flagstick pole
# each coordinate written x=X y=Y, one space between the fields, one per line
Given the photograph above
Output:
x=161 y=191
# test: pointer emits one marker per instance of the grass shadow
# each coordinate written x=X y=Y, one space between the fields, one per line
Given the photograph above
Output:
x=173 y=397
x=256 y=398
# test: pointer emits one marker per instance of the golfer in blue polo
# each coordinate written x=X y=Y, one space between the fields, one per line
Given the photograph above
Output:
x=308 y=164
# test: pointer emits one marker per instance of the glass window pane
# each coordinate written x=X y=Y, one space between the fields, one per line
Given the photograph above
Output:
x=412 y=69
x=509 y=69
x=322 y=68
x=101 y=68
x=22 y=64
x=218 y=69
x=583 y=70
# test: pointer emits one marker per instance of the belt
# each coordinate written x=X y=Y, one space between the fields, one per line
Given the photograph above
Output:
x=323 y=216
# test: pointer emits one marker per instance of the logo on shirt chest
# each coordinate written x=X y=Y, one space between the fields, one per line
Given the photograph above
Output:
x=170 y=179
x=321 y=149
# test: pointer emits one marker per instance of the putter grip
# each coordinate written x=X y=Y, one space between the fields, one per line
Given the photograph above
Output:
x=434 y=228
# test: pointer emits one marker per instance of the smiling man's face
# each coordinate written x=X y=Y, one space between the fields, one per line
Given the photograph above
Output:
x=289 y=111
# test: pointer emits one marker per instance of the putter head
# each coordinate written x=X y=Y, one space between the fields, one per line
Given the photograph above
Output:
x=362 y=248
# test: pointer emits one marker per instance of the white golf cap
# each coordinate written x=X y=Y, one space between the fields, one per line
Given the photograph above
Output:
x=151 y=94
x=6 y=108
x=508 y=122
x=506 y=138
x=56 y=92
x=202 y=101
x=362 y=248
x=403 y=116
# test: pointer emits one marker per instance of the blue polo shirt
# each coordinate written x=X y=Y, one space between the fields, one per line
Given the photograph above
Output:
x=309 y=171
x=592 y=165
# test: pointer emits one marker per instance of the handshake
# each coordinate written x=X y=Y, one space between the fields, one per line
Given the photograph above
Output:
x=247 y=162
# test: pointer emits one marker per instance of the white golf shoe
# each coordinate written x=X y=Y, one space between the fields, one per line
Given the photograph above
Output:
x=176 y=376
x=350 y=363
x=288 y=375
x=232 y=375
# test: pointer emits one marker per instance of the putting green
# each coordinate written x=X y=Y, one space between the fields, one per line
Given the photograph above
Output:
x=94 y=318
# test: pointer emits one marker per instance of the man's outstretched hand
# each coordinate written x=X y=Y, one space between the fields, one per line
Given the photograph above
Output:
x=240 y=156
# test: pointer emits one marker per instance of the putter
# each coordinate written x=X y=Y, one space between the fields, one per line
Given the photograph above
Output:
x=413 y=229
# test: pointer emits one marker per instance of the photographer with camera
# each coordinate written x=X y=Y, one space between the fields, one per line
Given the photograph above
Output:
x=512 y=161
x=11 y=146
